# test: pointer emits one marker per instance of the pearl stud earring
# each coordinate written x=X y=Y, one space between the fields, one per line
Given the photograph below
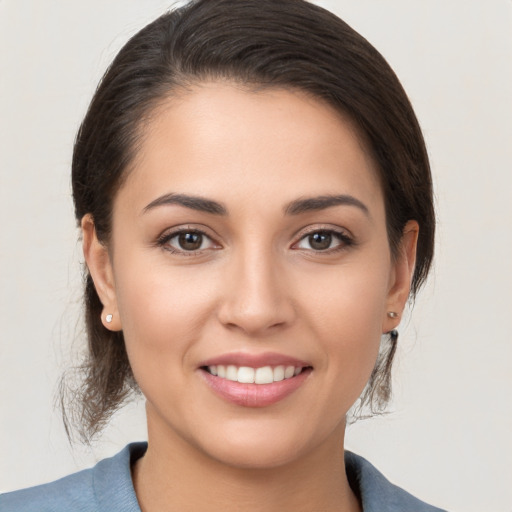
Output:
x=108 y=319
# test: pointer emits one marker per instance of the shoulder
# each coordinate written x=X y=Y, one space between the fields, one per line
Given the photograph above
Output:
x=105 y=487
x=74 y=492
x=378 y=494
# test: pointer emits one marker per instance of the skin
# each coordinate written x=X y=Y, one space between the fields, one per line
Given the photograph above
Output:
x=257 y=284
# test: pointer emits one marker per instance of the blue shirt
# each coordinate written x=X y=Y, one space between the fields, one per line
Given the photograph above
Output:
x=108 y=487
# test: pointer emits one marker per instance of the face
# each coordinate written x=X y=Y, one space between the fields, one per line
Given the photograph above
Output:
x=250 y=271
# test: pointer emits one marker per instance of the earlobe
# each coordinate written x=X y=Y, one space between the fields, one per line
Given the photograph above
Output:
x=98 y=262
x=403 y=271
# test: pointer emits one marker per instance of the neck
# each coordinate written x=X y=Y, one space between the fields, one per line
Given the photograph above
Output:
x=172 y=475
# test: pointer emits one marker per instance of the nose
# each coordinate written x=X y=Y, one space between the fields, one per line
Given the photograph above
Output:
x=258 y=298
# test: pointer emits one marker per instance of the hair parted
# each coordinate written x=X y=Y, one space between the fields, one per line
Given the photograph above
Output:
x=257 y=43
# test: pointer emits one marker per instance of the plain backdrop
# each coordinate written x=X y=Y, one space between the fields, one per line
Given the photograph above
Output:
x=447 y=438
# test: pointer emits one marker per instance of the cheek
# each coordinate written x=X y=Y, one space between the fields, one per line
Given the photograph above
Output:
x=163 y=312
x=346 y=317
x=349 y=301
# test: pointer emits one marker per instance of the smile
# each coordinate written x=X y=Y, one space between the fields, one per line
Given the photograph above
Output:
x=248 y=375
x=251 y=380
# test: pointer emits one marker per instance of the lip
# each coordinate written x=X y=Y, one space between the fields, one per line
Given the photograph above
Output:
x=254 y=360
x=254 y=395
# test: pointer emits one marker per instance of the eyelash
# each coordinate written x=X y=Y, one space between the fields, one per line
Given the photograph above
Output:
x=345 y=240
x=163 y=241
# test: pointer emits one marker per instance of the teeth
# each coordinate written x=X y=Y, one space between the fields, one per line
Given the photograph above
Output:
x=289 y=371
x=247 y=375
x=264 y=375
x=231 y=372
x=278 y=373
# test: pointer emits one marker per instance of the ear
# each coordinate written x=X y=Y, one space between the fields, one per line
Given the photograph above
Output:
x=401 y=276
x=98 y=262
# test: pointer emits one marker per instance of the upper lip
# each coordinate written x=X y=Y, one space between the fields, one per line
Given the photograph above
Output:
x=254 y=360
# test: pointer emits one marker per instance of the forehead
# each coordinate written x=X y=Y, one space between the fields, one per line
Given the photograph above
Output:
x=225 y=141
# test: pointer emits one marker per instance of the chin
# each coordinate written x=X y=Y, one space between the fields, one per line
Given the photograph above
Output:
x=264 y=445
x=257 y=455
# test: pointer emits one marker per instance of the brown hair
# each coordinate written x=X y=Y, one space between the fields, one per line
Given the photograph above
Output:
x=268 y=43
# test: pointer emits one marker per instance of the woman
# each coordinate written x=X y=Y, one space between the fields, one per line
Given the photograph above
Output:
x=256 y=207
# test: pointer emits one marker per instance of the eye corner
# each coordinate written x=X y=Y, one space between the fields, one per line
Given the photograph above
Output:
x=187 y=241
x=326 y=236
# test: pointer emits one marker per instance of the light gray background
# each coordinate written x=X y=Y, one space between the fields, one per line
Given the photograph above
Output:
x=448 y=439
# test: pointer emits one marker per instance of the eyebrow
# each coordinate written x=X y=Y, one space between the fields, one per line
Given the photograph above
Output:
x=322 y=202
x=193 y=202
x=294 y=208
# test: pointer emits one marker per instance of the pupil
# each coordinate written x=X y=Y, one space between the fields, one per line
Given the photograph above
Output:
x=190 y=241
x=320 y=241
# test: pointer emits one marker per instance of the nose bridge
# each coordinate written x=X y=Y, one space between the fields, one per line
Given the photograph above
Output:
x=257 y=297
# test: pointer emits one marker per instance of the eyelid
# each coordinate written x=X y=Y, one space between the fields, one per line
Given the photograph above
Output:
x=314 y=228
x=344 y=236
x=170 y=233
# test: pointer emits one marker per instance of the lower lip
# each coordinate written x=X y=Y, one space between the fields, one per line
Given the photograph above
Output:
x=254 y=395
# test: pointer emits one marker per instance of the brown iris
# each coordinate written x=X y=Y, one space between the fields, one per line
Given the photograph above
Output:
x=190 y=241
x=320 y=241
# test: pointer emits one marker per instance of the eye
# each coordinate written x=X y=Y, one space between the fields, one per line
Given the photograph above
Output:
x=324 y=240
x=186 y=241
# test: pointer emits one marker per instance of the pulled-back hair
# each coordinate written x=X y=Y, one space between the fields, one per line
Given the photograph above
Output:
x=259 y=43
